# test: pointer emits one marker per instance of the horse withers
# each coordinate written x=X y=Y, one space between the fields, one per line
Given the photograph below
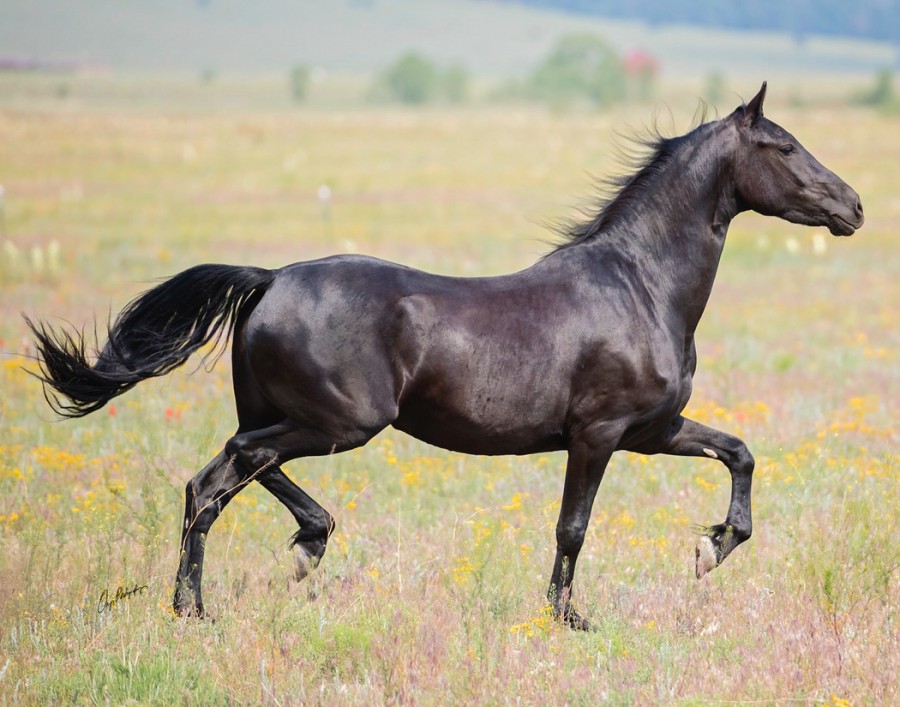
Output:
x=589 y=350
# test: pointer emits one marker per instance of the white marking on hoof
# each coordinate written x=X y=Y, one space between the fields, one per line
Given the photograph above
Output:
x=710 y=453
x=304 y=562
x=706 y=557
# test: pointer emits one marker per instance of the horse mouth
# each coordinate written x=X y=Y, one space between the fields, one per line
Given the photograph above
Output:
x=839 y=226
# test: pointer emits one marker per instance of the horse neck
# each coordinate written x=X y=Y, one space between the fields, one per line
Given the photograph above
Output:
x=677 y=232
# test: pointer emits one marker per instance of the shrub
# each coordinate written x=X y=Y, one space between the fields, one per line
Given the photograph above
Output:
x=455 y=84
x=415 y=79
x=882 y=93
x=299 y=82
x=714 y=90
x=412 y=79
x=579 y=67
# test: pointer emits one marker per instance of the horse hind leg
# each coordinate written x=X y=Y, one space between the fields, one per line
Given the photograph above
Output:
x=267 y=449
x=206 y=495
x=315 y=523
x=256 y=456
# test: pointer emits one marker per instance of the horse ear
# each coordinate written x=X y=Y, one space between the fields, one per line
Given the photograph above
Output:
x=753 y=110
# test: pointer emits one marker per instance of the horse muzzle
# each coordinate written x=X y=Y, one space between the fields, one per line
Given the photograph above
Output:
x=846 y=221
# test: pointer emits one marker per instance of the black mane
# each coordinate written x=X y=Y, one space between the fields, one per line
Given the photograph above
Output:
x=645 y=158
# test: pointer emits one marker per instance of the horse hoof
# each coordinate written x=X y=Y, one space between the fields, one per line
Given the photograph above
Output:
x=189 y=611
x=706 y=560
x=305 y=561
x=575 y=621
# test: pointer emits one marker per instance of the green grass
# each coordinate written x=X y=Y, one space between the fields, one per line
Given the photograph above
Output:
x=432 y=589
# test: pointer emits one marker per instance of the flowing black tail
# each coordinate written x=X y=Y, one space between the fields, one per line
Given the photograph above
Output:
x=155 y=333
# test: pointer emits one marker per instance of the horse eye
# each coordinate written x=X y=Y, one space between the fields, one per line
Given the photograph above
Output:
x=786 y=149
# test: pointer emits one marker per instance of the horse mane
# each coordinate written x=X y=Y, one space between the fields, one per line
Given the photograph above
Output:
x=644 y=156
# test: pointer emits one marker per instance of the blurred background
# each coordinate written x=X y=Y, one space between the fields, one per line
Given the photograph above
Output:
x=330 y=52
x=308 y=127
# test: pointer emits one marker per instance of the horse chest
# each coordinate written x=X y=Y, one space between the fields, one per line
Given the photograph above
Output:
x=644 y=384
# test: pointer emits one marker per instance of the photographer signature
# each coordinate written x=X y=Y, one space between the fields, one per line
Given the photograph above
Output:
x=108 y=604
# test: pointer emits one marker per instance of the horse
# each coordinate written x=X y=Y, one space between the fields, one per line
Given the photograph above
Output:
x=590 y=350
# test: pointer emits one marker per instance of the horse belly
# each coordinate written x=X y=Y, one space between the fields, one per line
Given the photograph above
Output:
x=515 y=412
x=461 y=433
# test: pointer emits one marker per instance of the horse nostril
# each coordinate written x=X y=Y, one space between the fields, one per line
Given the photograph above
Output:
x=859 y=209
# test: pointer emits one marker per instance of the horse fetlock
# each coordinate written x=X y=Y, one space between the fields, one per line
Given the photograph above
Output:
x=565 y=613
x=187 y=603
x=561 y=609
x=576 y=621
x=186 y=611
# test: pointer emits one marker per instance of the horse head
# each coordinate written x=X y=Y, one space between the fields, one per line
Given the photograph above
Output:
x=776 y=176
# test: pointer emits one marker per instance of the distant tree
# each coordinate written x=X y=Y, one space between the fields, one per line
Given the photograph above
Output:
x=579 y=67
x=882 y=94
x=714 y=91
x=455 y=84
x=875 y=19
x=413 y=78
x=299 y=82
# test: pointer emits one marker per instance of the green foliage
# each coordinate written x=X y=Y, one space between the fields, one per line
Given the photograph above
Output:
x=414 y=79
x=142 y=678
x=714 y=88
x=579 y=67
x=881 y=95
x=299 y=81
x=455 y=84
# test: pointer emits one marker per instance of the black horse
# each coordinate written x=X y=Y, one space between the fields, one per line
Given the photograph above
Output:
x=590 y=350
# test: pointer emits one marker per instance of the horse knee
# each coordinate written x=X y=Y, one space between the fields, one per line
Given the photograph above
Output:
x=741 y=461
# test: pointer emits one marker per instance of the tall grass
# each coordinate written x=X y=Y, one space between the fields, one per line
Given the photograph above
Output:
x=432 y=588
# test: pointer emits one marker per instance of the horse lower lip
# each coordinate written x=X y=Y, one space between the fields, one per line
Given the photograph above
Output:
x=841 y=226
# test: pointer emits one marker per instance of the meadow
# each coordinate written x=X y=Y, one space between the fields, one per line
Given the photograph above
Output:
x=433 y=586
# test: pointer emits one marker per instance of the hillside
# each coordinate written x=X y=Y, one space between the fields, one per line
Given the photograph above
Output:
x=488 y=38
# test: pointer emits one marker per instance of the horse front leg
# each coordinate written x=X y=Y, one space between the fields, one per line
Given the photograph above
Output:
x=691 y=439
x=584 y=472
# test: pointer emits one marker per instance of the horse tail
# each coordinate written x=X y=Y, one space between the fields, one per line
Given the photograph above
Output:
x=155 y=333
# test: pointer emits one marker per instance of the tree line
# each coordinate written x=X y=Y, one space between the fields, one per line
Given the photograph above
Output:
x=864 y=19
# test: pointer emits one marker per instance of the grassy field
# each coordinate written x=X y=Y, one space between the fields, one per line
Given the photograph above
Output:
x=432 y=589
